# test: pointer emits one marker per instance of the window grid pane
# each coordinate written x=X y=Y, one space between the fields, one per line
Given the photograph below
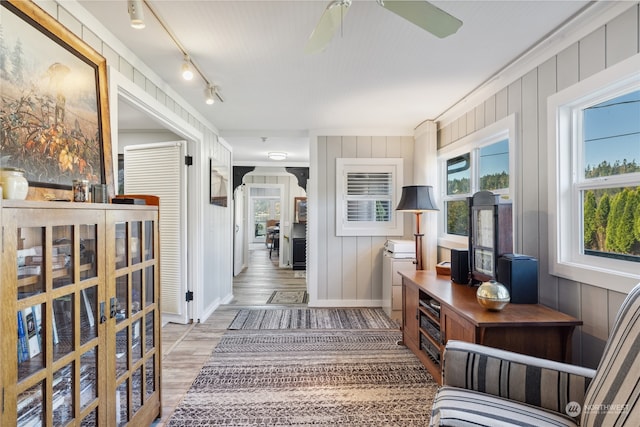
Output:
x=611 y=132
x=494 y=166
x=459 y=175
x=610 y=147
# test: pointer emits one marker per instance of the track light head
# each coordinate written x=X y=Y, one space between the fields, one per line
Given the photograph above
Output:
x=209 y=95
x=136 y=14
x=187 y=73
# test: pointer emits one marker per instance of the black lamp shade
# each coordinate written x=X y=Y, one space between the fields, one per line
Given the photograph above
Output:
x=416 y=198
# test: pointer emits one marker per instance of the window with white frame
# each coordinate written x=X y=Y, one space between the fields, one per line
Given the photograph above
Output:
x=594 y=187
x=481 y=161
x=367 y=192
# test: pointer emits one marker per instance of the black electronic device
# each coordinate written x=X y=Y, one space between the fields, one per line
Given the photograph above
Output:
x=519 y=273
x=460 y=266
x=490 y=234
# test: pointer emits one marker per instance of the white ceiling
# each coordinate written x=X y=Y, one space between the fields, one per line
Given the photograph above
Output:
x=382 y=74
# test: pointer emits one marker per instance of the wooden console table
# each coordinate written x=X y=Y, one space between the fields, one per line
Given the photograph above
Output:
x=435 y=310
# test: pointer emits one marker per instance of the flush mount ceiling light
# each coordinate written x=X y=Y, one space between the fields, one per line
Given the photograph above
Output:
x=187 y=74
x=277 y=155
x=209 y=95
x=136 y=14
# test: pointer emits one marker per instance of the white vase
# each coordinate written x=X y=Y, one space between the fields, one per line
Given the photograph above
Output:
x=14 y=185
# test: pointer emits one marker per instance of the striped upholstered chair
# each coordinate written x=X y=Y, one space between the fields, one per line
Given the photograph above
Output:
x=488 y=387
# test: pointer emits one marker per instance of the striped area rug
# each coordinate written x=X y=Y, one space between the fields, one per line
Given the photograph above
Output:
x=288 y=297
x=309 y=378
x=313 y=318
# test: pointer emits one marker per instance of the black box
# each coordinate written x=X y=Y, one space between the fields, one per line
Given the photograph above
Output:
x=460 y=266
x=128 y=201
x=519 y=273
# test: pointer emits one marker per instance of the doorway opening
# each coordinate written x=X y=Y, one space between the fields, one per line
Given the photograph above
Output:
x=265 y=214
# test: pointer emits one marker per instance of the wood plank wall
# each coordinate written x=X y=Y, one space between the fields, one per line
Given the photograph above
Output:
x=350 y=268
x=214 y=224
x=527 y=98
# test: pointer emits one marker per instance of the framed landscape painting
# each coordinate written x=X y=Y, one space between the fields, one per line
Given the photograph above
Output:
x=54 y=107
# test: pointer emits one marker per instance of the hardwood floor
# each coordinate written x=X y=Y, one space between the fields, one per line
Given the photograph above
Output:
x=185 y=348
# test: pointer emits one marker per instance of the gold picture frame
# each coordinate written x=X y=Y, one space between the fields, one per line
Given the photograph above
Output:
x=55 y=117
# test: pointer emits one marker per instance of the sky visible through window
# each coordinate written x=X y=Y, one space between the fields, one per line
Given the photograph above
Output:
x=494 y=158
x=612 y=131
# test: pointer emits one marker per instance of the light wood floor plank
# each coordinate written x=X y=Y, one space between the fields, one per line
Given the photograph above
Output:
x=185 y=348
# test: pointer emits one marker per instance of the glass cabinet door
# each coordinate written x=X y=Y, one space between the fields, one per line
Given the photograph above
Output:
x=135 y=317
x=58 y=282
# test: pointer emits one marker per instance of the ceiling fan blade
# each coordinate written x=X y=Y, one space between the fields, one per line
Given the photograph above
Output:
x=330 y=21
x=424 y=15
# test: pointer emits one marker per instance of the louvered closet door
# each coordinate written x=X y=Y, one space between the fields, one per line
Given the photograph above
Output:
x=159 y=169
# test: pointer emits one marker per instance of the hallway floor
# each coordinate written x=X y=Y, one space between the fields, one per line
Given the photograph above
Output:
x=185 y=348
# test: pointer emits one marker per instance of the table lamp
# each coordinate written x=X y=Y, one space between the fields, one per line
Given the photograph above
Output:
x=417 y=199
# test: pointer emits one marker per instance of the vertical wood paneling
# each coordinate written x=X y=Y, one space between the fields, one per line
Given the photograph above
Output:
x=350 y=268
x=69 y=21
x=592 y=54
x=479 y=113
x=530 y=162
x=548 y=285
x=453 y=128
x=462 y=126
x=363 y=146
x=362 y=282
x=619 y=45
x=215 y=223
x=323 y=220
x=126 y=69
x=569 y=302
x=111 y=56
x=490 y=111
x=514 y=97
x=514 y=105
x=471 y=122
x=379 y=146
x=377 y=243
x=92 y=39
x=444 y=137
x=334 y=250
x=594 y=302
x=393 y=146
x=349 y=147
x=621 y=39
x=502 y=104
x=567 y=67
x=365 y=268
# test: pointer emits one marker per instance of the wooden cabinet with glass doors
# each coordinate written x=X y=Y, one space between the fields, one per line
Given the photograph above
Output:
x=80 y=316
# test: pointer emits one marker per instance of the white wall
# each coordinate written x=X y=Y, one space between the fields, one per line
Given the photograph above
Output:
x=347 y=271
x=210 y=226
x=604 y=40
